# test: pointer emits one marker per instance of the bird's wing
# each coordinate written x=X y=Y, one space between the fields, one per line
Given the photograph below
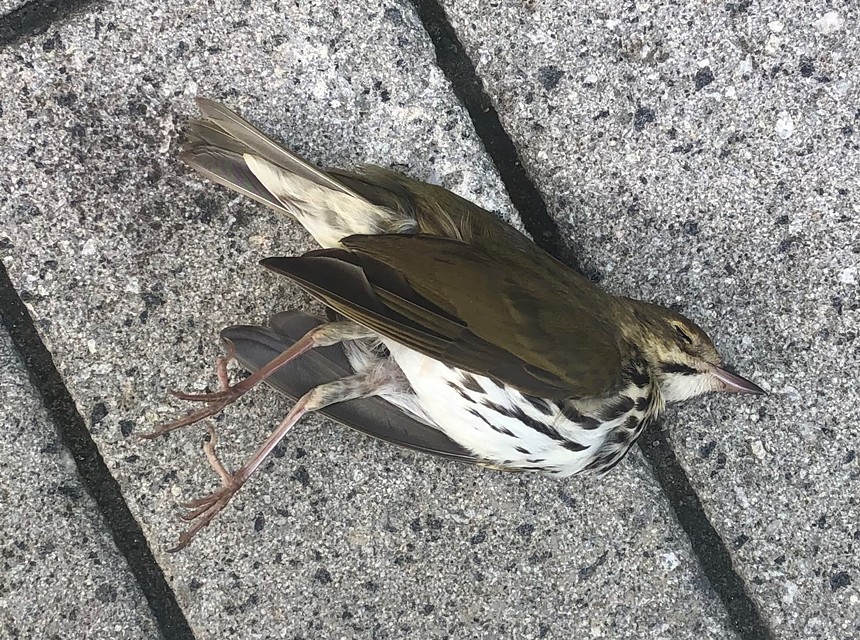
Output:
x=437 y=211
x=257 y=346
x=519 y=317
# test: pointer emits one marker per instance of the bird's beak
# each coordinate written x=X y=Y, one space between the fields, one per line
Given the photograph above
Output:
x=735 y=384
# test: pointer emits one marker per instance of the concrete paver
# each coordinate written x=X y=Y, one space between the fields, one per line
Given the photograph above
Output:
x=131 y=265
x=706 y=156
x=60 y=573
x=8 y=6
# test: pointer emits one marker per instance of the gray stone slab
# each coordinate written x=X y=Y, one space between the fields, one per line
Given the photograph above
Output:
x=131 y=265
x=8 y=6
x=60 y=573
x=706 y=156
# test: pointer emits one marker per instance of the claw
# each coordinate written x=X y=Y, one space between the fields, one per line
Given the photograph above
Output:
x=216 y=401
x=207 y=508
x=225 y=391
x=196 y=513
x=186 y=536
x=198 y=504
x=191 y=418
x=230 y=393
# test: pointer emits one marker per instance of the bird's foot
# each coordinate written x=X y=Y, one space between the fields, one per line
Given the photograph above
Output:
x=215 y=402
x=321 y=336
x=203 y=510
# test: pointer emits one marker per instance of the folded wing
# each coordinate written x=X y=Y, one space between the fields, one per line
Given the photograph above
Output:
x=519 y=317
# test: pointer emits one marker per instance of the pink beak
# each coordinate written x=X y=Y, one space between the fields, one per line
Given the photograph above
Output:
x=735 y=384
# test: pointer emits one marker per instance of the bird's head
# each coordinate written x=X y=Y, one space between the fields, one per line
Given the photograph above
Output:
x=682 y=356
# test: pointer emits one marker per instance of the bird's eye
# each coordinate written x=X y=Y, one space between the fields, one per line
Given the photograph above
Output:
x=684 y=335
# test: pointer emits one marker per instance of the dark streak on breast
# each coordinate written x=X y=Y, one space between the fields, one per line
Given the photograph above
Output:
x=574 y=415
x=492 y=426
x=518 y=414
x=469 y=381
x=456 y=387
x=632 y=422
x=617 y=408
x=538 y=403
x=571 y=445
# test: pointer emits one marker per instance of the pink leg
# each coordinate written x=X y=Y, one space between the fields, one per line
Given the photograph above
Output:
x=322 y=336
x=212 y=457
x=203 y=510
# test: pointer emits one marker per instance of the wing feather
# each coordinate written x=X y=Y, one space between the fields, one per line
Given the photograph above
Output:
x=256 y=346
x=470 y=309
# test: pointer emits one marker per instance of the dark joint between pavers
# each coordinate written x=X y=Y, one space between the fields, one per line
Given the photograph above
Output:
x=100 y=484
x=713 y=555
x=707 y=545
x=37 y=16
x=467 y=86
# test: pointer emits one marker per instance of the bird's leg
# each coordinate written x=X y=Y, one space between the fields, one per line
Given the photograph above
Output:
x=221 y=364
x=322 y=336
x=212 y=457
x=373 y=381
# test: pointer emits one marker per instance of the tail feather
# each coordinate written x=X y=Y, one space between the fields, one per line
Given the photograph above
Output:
x=255 y=142
x=203 y=133
x=230 y=170
x=232 y=152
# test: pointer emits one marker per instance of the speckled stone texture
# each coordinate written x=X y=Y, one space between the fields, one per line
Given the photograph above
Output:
x=705 y=155
x=8 y=6
x=131 y=264
x=60 y=574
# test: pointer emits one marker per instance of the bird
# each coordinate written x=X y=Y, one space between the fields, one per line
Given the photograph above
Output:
x=447 y=331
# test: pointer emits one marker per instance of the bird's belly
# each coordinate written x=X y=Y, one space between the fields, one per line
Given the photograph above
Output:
x=501 y=425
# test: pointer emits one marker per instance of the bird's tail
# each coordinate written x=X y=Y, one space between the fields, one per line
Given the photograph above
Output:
x=227 y=149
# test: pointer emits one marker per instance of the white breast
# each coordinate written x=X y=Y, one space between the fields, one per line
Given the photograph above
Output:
x=497 y=422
